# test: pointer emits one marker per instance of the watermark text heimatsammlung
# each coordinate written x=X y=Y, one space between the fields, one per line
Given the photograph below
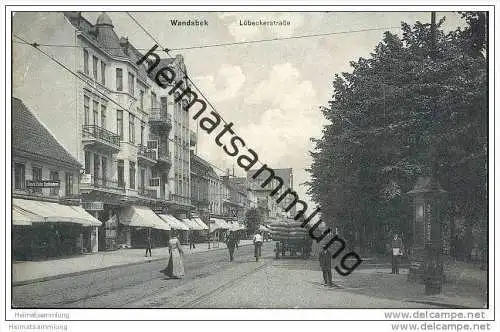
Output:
x=166 y=77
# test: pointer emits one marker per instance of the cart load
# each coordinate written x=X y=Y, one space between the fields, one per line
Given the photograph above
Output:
x=290 y=237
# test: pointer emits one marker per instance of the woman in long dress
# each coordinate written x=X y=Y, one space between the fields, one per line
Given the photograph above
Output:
x=175 y=266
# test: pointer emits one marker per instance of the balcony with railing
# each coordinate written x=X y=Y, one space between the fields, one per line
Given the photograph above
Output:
x=180 y=199
x=90 y=182
x=162 y=155
x=148 y=193
x=146 y=155
x=100 y=138
x=159 y=118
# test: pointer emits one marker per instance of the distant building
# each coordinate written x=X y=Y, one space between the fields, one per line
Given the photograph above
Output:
x=266 y=202
x=47 y=219
x=236 y=203
x=199 y=182
x=216 y=194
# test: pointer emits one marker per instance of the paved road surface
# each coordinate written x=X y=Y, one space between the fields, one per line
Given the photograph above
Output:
x=211 y=281
x=136 y=286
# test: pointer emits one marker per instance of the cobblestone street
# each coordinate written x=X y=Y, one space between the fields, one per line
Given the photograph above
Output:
x=213 y=282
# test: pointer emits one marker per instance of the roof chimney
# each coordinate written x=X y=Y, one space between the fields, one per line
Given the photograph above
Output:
x=124 y=44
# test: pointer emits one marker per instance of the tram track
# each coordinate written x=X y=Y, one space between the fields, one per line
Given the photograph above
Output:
x=224 y=286
x=103 y=277
x=122 y=287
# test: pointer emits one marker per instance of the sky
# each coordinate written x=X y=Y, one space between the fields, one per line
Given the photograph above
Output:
x=271 y=90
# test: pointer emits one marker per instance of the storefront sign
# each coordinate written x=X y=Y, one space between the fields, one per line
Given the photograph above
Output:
x=42 y=184
x=93 y=206
x=86 y=179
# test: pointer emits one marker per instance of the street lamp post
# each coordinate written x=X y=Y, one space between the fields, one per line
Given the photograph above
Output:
x=425 y=259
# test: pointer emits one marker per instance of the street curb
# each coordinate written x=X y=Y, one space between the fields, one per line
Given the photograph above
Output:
x=72 y=274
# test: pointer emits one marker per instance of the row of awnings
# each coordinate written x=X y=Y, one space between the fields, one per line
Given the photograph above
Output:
x=216 y=224
x=27 y=212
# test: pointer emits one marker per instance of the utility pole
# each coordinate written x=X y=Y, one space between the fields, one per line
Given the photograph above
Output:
x=434 y=266
x=427 y=265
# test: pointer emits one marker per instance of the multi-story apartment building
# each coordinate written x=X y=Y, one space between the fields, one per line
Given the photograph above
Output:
x=47 y=219
x=128 y=132
x=216 y=193
x=266 y=202
x=236 y=203
x=199 y=182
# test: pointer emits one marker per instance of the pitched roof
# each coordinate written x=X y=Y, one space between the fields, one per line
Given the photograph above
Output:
x=30 y=135
x=102 y=33
x=166 y=62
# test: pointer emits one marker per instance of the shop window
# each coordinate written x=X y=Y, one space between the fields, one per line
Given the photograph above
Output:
x=19 y=176
x=54 y=176
x=69 y=184
x=37 y=176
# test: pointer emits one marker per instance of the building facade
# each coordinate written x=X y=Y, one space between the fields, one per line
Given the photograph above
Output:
x=47 y=220
x=262 y=195
x=131 y=136
x=236 y=203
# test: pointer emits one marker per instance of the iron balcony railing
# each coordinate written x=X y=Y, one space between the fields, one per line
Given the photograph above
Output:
x=146 y=152
x=150 y=193
x=164 y=155
x=98 y=182
x=180 y=199
x=94 y=131
x=157 y=114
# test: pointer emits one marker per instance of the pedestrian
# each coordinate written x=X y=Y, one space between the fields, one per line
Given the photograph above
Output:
x=175 y=265
x=237 y=237
x=149 y=243
x=257 y=242
x=192 y=240
x=325 y=262
x=397 y=252
x=231 y=244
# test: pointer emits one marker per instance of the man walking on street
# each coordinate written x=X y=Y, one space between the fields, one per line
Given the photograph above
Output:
x=257 y=242
x=231 y=244
x=397 y=252
x=149 y=243
x=325 y=262
x=192 y=239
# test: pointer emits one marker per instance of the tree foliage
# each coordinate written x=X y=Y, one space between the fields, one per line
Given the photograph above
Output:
x=253 y=219
x=404 y=111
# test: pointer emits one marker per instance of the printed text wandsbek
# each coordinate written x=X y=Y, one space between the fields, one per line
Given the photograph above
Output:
x=165 y=76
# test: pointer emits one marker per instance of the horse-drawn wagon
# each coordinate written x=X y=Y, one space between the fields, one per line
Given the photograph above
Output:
x=290 y=238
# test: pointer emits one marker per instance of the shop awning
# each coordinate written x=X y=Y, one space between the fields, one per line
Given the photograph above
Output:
x=173 y=222
x=233 y=226
x=193 y=225
x=23 y=218
x=141 y=216
x=216 y=223
x=39 y=211
x=200 y=223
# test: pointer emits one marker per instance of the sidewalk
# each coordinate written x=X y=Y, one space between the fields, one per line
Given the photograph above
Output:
x=30 y=271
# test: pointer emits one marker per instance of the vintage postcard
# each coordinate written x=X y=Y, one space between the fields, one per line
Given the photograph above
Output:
x=250 y=158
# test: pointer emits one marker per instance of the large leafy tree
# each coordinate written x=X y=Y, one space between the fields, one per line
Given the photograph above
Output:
x=253 y=219
x=411 y=108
